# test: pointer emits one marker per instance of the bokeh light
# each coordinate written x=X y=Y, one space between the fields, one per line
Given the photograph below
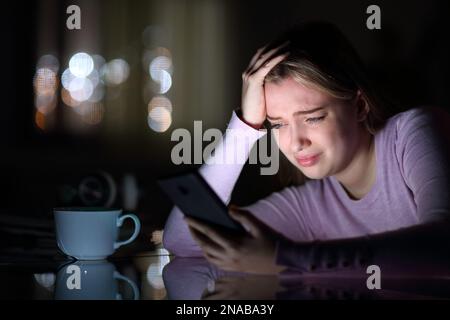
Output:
x=66 y=78
x=149 y=89
x=45 y=81
x=159 y=64
x=94 y=78
x=115 y=72
x=99 y=61
x=45 y=103
x=160 y=101
x=67 y=98
x=160 y=69
x=81 y=64
x=48 y=61
x=149 y=55
x=39 y=120
x=81 y=89
x=84 y=87
x=164 y=81
x=159 y=119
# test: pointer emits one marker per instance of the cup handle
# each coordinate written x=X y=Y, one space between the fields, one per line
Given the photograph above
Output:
x=137 y=228
x=133 y=286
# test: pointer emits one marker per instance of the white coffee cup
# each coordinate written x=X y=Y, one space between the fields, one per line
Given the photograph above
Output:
x=91 y=233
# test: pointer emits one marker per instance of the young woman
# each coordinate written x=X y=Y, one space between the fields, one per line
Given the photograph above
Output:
x=368 y=173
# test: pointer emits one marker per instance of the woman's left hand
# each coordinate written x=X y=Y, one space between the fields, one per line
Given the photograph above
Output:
x=251 y=253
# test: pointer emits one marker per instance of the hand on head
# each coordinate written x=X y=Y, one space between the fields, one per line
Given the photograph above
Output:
x=253 y=102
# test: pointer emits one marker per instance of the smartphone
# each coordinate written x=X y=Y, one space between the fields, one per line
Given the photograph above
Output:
x=195 y=198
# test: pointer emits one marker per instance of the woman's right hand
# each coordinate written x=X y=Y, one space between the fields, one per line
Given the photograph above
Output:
x=253 y=103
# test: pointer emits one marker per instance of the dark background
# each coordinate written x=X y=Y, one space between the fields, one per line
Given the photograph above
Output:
x=211 y=43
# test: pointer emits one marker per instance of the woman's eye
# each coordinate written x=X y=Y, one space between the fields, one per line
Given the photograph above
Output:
x=275 y=126
x=315 y=120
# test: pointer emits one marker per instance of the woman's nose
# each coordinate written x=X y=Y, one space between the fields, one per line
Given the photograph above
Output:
x=299 y=140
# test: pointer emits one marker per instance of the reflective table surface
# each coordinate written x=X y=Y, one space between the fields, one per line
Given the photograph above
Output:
x=155 y=275
x=33 y=268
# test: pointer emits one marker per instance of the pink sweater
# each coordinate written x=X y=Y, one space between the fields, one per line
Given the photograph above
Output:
x=412 y=187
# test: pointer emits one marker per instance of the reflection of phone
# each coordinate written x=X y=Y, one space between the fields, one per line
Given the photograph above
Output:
x=195 y=198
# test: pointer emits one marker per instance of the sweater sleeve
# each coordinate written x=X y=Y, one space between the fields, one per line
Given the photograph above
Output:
x=424 y=163
x=221 y=171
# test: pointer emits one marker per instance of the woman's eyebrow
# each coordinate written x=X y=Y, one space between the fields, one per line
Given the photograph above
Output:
x=298 y=113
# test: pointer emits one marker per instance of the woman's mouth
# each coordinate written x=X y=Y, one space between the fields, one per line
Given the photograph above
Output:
x=308 y=161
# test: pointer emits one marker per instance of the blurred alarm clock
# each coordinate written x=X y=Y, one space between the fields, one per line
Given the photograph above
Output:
x=97 y=190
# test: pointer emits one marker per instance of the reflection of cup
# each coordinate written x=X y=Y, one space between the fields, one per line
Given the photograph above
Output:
x=90 y=280
x=91 y=233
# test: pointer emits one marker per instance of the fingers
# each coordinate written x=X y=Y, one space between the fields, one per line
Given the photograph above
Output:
x=265 y=57
x=208 y=232
x=209 y=248
x=265 y=68
x=212 y=252
x=263 y=53
x=261 y=71
x=249 y=223
x=255 y=58
x=216 y=260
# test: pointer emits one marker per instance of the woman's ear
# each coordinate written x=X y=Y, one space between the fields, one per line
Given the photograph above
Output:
x=362 y=107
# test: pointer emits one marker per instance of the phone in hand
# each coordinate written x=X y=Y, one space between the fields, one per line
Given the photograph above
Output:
x=195 y=198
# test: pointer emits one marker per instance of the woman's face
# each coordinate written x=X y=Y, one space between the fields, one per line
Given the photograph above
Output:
x=318 y=133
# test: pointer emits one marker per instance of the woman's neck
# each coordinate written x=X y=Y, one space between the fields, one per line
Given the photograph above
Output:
x=359 y=177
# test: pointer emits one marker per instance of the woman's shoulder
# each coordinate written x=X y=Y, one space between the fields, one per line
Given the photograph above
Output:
x=409 y=117
x=408 y=122
x=416 y=126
